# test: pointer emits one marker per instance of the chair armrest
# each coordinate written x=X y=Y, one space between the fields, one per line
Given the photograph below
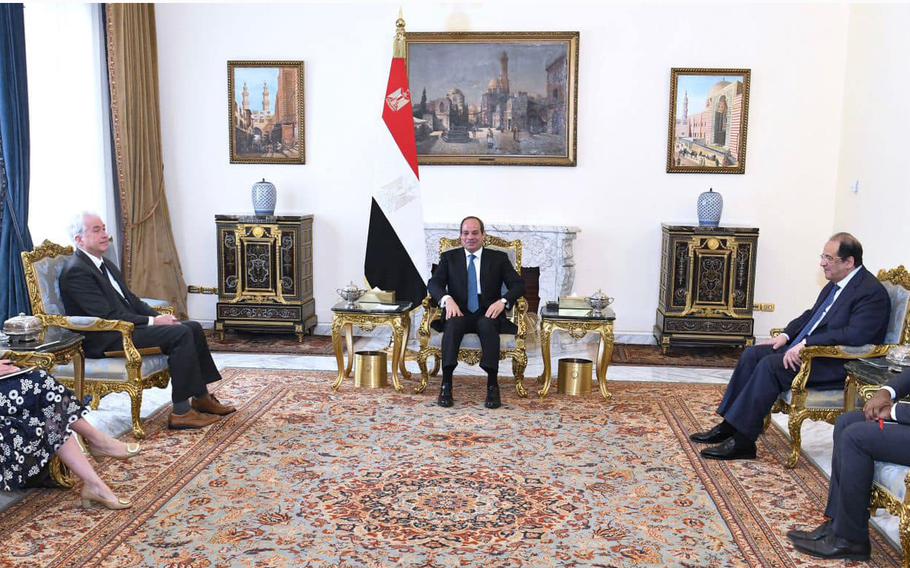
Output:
x=833 y=352
x=430 y=314
x=86 y=323
x=775 y=331
x=519 y=317
x=160 y=306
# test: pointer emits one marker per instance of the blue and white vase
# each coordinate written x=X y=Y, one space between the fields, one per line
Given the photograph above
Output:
x=710 y=206
x=265 y=196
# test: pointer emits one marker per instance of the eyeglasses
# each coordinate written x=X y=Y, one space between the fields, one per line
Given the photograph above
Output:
x=829 y=258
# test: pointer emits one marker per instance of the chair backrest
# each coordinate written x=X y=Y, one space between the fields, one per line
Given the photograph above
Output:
x=897 y=282
x=511 y=248
x=42 y=272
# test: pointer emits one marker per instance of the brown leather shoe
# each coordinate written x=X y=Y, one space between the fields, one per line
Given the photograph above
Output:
x=211 y=405
x=191 y=420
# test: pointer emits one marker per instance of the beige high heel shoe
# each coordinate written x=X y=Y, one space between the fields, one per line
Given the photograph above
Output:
x=89 y=500
x=132 y=450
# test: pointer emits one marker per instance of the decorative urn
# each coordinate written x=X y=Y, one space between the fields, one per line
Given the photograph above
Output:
x=265 y=196
x=598 y=300
x=22 y=328
x=710 y=206
x=350 y=294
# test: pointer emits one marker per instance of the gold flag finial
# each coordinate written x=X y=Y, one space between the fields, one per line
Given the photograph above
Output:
x=398 y=49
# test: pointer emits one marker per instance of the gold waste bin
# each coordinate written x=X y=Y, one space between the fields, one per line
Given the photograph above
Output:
x=370 y=369
x=574 y=377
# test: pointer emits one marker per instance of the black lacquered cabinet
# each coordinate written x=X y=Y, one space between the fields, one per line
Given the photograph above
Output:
x=707 y=283
x=265 y=274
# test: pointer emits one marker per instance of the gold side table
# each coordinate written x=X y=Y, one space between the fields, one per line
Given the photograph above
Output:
x=577 y=323
x=55 y=346
x=368 y=317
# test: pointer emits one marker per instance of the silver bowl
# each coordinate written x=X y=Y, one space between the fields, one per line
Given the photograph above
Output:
x=599 y=301
x=350 y=294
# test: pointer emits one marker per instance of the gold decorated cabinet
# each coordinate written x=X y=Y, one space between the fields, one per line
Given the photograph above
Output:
x=265 y=274
x=707 y=282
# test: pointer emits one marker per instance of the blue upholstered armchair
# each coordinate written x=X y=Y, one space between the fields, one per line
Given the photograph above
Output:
x=130 y=371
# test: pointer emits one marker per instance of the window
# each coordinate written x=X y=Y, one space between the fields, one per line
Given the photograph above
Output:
x=68 y=118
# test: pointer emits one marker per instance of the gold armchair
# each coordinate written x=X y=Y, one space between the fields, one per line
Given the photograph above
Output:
x=130 y=371
x=511 y=346
x=803 y=402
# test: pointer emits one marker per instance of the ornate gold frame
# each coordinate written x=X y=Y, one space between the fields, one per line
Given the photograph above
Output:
x=519 y=317
x=571 y=43
x=257 y=234
x=797 y=410
x=301 y=130
x=98 y=388
x=740 y=167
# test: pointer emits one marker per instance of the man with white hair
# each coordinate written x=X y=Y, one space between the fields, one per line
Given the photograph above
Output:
x=91 y=285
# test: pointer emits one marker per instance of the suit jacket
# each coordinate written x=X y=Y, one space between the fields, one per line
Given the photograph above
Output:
x=496 y=271
x=87 y=292
x=859 y=317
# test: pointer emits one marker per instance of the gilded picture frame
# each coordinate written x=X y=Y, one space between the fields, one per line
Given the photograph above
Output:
x=266 y=112
x=709 y=120
x=494 y=98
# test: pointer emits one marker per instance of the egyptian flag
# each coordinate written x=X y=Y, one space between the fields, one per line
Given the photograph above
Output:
x=395 y=255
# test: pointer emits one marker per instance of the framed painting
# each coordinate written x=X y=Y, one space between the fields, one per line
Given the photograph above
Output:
x=709 y=117
x=494 y=98
x=265 y=112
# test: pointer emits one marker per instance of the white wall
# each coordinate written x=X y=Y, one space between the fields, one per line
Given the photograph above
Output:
x=619 y=193
x=874 y=135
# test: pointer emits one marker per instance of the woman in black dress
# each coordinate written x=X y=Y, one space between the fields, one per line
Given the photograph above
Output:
x=38 y=417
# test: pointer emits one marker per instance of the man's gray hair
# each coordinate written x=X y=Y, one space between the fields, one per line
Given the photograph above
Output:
x=77 y=225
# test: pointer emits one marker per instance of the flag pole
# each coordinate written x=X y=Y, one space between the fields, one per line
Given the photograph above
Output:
x=398 y=46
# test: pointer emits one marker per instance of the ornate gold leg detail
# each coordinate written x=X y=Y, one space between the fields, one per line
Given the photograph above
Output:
x=96 y=398
x=605 y=355
x=424 y=375
x=398 y=328
x=337 y=325
x=795 y=425
x=766 y=423
x=349 y=342
x=135 y=410
x=519 y=364
x=665 y=346
x=403 y=368
x=904 y=532
x=546 y=333
x=437 y=364
x=61 y=474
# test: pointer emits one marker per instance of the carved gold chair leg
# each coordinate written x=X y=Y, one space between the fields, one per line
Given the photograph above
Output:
x=519 y=364
x=136 y=412
x=437 y=365
x=904 y=532
x=61 y=474
x=795 y=425
x=96 y=398
x=422 y=357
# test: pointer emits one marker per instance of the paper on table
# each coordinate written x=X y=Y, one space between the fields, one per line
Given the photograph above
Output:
x=371 y=307
x=17 y=373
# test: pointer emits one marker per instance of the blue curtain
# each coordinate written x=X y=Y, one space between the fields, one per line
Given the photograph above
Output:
x=14 y=156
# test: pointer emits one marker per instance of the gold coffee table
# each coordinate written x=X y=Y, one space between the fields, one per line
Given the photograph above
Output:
x=577 y=323
x=368 y=317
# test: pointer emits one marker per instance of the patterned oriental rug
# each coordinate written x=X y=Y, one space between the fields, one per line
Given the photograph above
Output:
x=302 y=476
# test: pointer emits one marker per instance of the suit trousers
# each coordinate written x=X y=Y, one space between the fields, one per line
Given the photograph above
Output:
x=857 y=444
x=486 y=328
x=188 y=356
x=757 y=381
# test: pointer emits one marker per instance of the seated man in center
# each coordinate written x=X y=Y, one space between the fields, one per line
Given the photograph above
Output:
x=468 y=285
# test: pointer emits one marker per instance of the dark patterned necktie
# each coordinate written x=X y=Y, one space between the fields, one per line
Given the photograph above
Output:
x=473 y=300
x=817 y=315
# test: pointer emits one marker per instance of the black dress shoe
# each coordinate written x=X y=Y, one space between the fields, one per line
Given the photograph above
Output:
x=715 y=435
x=832 y=546
x=731 y=450
x=445 y=396
x=817 y=533
x=492 y=397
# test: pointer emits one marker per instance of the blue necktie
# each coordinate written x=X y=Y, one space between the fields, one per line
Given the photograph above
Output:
x=473 y=300
x=817 y=315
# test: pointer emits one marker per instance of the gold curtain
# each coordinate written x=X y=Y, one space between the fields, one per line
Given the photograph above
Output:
x=150 y=263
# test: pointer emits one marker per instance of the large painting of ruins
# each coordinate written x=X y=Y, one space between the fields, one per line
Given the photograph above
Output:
x=265 y=112
x=494 y=98
x=709 y=116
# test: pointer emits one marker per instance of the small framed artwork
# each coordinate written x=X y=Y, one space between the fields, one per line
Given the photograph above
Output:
x=265 y=112
x=494 y=98
x=709 y=117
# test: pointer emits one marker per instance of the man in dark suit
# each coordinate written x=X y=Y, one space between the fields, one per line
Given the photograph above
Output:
x=468 y=285
x=852 y=309
x=91 y=285
x=859 y=441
